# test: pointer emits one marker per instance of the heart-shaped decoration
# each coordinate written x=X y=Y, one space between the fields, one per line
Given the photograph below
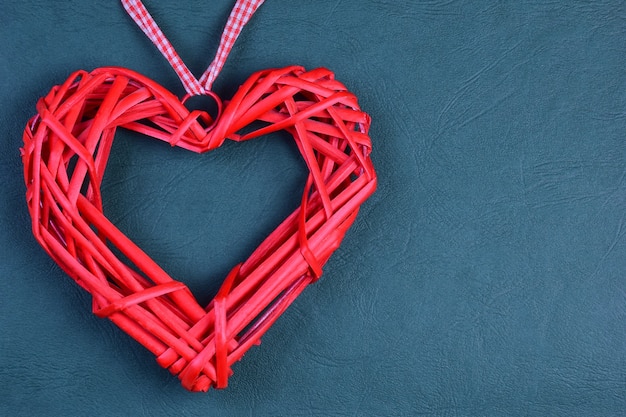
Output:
x=66 y=147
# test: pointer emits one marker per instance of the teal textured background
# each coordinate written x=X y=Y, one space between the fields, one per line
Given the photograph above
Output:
x=485 y=277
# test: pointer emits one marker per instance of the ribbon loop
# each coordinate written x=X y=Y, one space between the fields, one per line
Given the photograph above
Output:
x=239 y=16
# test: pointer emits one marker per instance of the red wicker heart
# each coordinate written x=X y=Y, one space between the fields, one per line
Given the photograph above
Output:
x=66 y=147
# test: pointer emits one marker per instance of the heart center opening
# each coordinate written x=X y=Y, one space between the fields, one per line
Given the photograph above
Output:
x=199 y=215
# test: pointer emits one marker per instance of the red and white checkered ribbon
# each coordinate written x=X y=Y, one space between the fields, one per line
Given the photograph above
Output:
x=239 y=16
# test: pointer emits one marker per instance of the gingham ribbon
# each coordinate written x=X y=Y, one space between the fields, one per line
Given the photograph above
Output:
x=239 y=16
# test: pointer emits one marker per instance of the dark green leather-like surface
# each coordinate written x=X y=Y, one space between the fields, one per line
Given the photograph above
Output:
x=487 y=275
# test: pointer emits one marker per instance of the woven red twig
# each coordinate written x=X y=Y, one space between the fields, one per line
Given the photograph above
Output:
x=66 y=148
